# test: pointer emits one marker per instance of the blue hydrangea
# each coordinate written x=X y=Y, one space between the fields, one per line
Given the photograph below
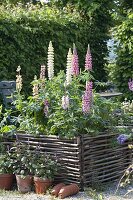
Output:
x=122 y=138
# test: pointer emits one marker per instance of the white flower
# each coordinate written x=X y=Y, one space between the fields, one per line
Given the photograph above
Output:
x=18 y=80
x=50 y=63
x=65 y=102
x=18 y=69
x=35 y=87
x=42 y=72
x=18 y=83
x=69 y=66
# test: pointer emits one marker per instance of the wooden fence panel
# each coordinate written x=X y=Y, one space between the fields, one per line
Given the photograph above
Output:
x=84 y=160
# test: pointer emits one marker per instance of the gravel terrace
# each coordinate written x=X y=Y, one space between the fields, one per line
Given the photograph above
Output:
x=107 y=194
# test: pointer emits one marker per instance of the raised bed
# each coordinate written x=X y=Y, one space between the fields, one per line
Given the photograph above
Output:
x=85 y=160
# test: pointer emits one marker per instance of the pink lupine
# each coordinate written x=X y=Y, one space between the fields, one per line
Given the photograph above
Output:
x=87 y=98
x=46 y=108
x=85 y=103
x=89 y=86
x=130 y=84
x=75 y=63
x=65 y=102
x=88 y=60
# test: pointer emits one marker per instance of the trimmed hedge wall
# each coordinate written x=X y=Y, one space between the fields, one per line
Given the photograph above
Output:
x=25 y=34
x=122 y=69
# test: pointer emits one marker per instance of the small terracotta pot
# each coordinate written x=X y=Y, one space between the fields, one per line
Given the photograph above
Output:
x=6 y=181
x=68 y=190
x=57 y=188
x=24 y=184
x=41 y=185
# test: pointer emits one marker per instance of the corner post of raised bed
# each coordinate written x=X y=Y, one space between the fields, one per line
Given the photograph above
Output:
x=81 y=161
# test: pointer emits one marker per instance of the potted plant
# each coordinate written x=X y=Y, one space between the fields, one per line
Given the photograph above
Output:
x=45 y=169
x=22 y=167
x=6 y=170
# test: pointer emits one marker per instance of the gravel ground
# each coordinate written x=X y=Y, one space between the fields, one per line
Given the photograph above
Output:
x=107 y=194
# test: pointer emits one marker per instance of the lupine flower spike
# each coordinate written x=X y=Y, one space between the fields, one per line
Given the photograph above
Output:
x=65 y=102
x=50 y=62
x=18 y=80
x=35 y=88
x=88 y=60
x=69 y=66
x=42 y=72
x=130 y=84
x=75 y=63
x=87 y=98
x=46 y=108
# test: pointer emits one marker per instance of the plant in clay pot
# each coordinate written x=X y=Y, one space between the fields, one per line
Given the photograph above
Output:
x=22 y=167
x=45 y=169
x=6 y=170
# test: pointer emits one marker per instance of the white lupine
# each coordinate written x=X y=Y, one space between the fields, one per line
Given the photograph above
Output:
x=18 y=80
x=35 y=88
x=42 y=72
x=50 y=62
x=127 y=106
x=65 y=102
x=69 y=67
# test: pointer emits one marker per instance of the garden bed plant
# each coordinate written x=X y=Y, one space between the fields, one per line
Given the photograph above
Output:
x=65 y=111
x=64 y=104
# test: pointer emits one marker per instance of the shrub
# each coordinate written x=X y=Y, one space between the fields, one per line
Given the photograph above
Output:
x=121 y=71
x=26 y=32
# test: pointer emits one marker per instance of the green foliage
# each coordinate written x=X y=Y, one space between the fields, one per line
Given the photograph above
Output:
x=44 y=166
x=94 y=194
x=121 y=70
x=5 y=125
x=15 y=1
x=70 y=122
x=6 y=163
x=127 y=177
x=32 y=162
x=26 y=31
x=21 y=159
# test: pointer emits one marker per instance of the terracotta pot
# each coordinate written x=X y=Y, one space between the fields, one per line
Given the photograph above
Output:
x=68 y=191
x=57 y=188
x=41 y=185
x=24 y=184
x=6 y=181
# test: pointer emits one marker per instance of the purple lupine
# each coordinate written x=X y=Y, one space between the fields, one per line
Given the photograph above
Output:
x=88 y=60
x=75 y=63
x=130 y=84
x=122 y=138
x=65 y=102
x=87 y=98
x=46 y=107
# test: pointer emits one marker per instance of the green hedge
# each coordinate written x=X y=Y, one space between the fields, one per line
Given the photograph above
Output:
x=122 y=69
x=25 y=34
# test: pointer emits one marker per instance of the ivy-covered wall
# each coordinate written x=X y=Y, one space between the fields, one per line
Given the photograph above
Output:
x=26 y=31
